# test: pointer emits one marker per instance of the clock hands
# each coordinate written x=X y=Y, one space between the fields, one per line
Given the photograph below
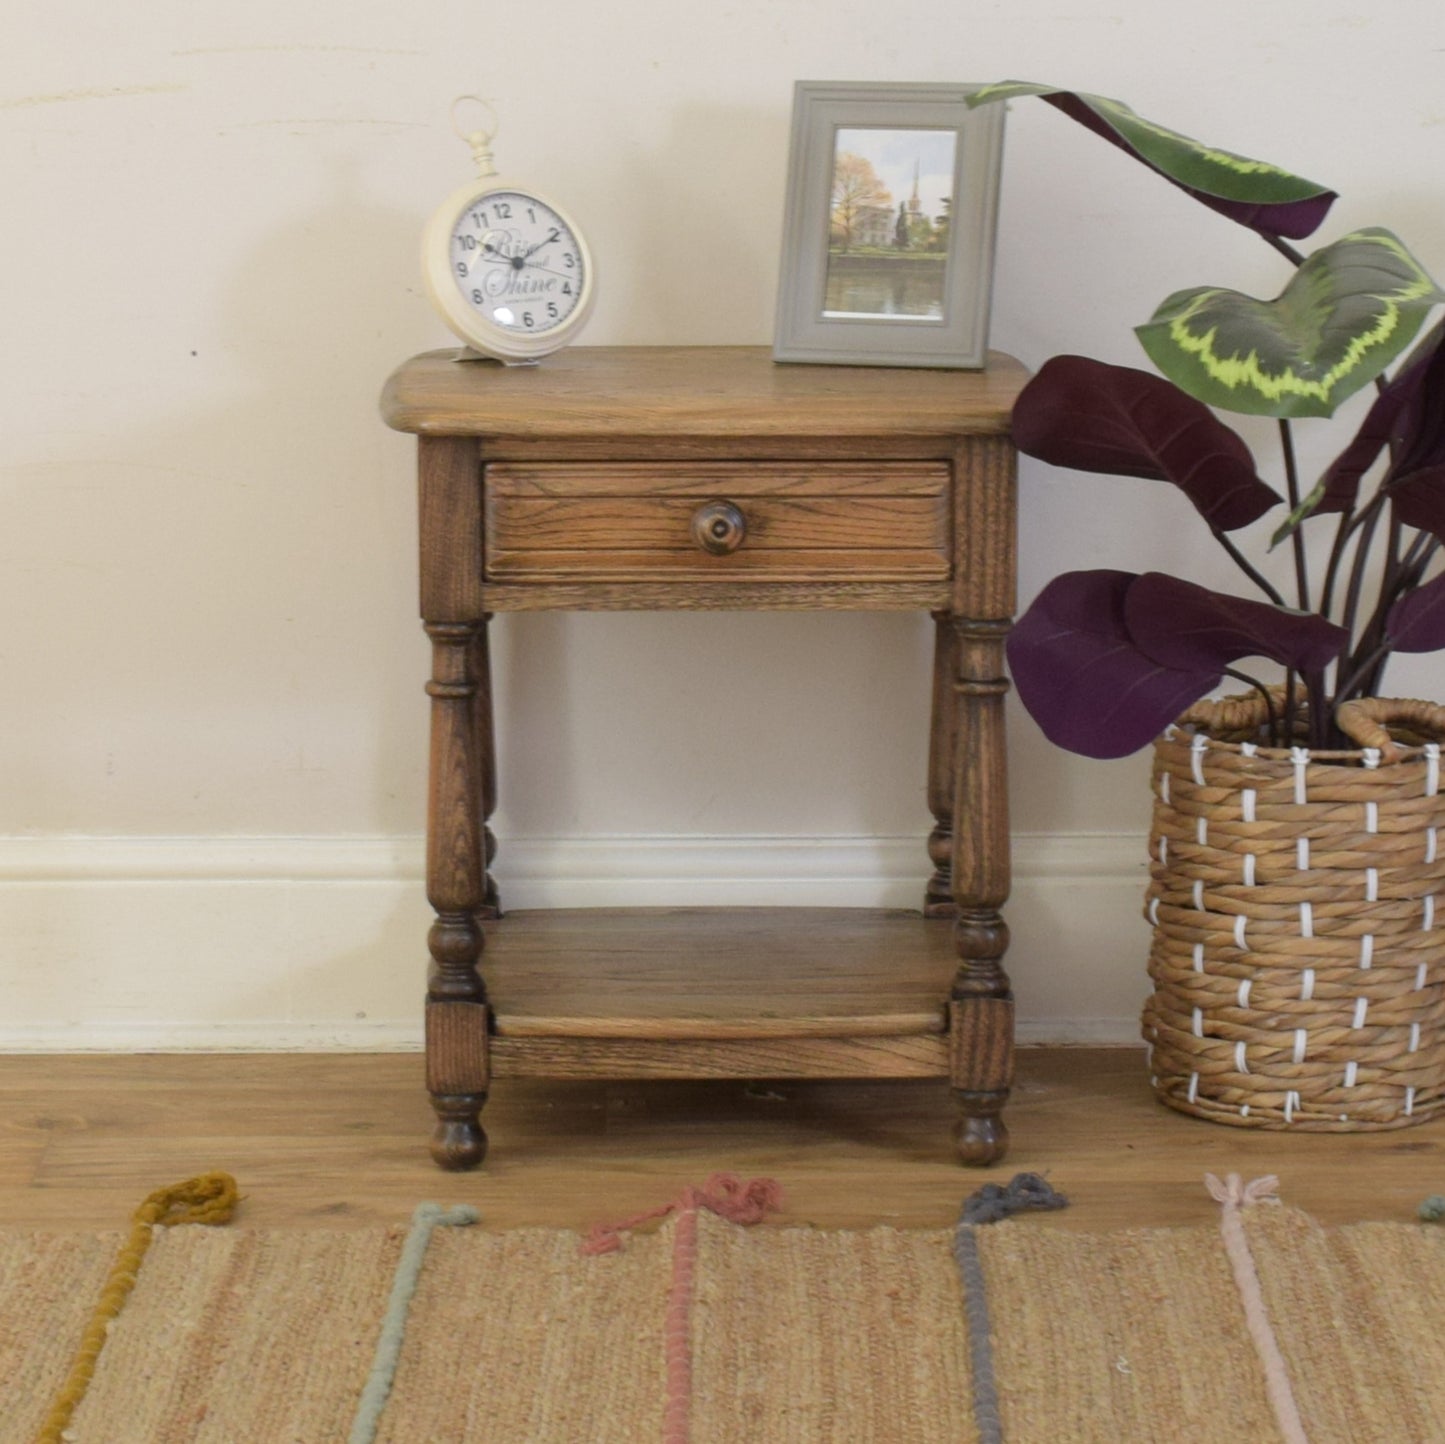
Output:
x=556 y=235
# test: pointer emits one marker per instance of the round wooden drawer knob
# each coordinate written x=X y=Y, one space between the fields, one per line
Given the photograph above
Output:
x=719 y=527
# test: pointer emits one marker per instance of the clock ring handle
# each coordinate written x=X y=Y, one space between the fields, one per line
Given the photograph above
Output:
x=479 y=138
x=719 y=527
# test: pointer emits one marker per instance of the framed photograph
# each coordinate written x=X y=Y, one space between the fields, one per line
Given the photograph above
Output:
x=888 y=231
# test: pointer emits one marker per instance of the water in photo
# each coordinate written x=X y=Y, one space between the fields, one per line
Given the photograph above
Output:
x=888 y=222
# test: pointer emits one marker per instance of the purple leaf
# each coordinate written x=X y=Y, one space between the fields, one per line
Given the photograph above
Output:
x=1417 y=621
x=1179 y=624
x=1095 y=417
x=1082 y=678
x=1409 y=411
x=1420 y=500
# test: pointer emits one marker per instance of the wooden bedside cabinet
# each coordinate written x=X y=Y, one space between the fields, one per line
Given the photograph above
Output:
x=705 y=478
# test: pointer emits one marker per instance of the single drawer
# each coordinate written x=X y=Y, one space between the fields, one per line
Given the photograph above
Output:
x=757 y=521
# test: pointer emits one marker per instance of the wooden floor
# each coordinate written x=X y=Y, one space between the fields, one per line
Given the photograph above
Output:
x=327 y=1141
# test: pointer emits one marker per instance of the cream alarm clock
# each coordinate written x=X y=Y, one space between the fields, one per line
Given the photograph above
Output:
x=507 y=268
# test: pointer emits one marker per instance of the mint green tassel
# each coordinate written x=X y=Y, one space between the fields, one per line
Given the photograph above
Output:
x=427 y=1217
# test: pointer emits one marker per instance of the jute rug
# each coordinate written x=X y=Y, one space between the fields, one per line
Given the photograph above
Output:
x=696 y=1328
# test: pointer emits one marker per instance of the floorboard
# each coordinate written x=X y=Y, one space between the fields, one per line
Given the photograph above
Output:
x=338 y=1140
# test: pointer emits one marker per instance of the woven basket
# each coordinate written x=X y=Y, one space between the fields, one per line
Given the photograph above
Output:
x=1298 y=961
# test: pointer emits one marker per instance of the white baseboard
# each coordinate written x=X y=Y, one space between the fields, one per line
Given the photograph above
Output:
x=316 y=943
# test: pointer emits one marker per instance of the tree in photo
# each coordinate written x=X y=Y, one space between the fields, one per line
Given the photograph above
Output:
x=856 y=187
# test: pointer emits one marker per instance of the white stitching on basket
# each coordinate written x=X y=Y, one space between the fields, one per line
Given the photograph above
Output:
x=1301 y=1038
x=1306 y=920
x=1372 y=885
x=1198 y=957
x=1239 y=941
x=1300 y=757
x=1302 y=854
x=1196 y=759
x=1240 y=1065
x=1432 y=768
x=1352 y=1070
x=1247 y=799
x=1367 y=951
x=1362 y=1006
x=1249 y=869
x=1307 y=985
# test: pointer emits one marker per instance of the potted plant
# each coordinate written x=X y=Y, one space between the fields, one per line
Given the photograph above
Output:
x=1296 y=850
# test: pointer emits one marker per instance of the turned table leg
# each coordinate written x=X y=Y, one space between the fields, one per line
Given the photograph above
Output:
x=942 y=743
x=456 y=1010
x=981 y=1008
x=460 y=795
x=491 y=907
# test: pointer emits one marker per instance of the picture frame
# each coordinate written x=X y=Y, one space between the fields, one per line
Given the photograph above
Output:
x=889 y=225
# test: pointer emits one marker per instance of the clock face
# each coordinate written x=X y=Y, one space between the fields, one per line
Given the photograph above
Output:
x=516 y=262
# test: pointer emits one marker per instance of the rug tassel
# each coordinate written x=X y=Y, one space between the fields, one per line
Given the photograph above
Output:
x=427 y=1218
x=210 y=1198
x=1235 y=1196
x=992 y=1202
x=726 y=1195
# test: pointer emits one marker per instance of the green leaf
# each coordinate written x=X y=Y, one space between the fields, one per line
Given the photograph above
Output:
x=1298 y=516
x=1252 y=192
x=1345 y=315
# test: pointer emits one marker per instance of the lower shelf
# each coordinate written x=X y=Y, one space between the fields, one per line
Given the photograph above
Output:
x=719 y=992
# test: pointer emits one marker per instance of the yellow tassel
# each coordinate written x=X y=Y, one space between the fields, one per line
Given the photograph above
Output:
x=208 y=1199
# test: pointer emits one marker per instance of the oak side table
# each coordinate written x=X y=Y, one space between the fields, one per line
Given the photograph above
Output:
x=640 y=478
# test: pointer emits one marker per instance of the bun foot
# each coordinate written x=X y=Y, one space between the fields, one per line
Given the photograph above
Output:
x=980 y=1139
x=459 y=1142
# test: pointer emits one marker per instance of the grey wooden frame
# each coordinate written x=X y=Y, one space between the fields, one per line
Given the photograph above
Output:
x=960 y=339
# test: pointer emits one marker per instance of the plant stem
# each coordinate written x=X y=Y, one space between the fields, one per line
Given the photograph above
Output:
x=1247 y=568
x=1332 y=567
x=1365 y=524
x=1294 y=257
x=1297 y=537
x=1321 y=722
x=1342 y=693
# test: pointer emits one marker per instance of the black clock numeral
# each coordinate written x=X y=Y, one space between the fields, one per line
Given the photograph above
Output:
x=468 y=243
x=527 y=319
x=566 y=288
x=532 y=215
x=479 y=219
x=504 y=211
x=461 y=268
x=569 y=260
x=477 y=297
x=551 y=310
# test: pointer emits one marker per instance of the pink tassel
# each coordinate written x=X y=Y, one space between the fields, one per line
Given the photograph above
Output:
x=726 y=1195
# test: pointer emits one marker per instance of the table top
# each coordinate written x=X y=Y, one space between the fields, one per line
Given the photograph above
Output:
x=703 y=391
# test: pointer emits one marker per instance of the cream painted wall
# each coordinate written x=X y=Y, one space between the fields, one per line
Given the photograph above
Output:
x=207 y=566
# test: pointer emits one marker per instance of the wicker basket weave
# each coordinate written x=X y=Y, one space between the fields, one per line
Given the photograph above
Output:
x=1298 y=961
